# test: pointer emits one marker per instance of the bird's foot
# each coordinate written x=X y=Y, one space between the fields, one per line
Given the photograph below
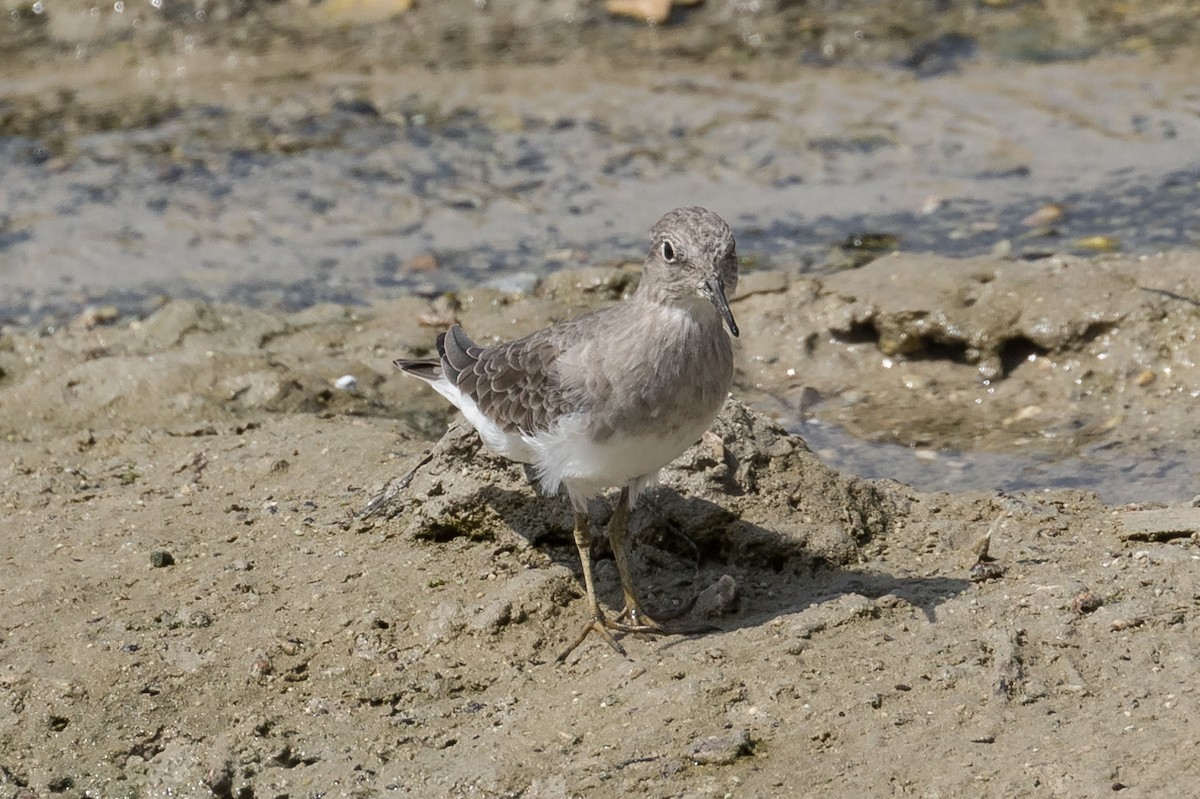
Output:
x=630 y=620
x=635 y=620
x=599 y=624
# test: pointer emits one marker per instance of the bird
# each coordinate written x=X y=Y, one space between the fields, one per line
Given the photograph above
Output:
x=607 y=399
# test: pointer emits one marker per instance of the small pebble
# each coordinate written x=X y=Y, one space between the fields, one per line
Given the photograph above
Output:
x=195 y=618
x=718 y=599
x=986 y=569
x=1048 y=214
x=1117 y=625
x=652 y=11
x=720 y=750
x=424 y=262
x=160 y=558
x=1085 y=602
x=93 y=316
x=346 y=383
x=1099 y=243
x=261 y=667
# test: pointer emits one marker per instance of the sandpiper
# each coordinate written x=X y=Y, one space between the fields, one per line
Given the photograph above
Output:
x=609 y=398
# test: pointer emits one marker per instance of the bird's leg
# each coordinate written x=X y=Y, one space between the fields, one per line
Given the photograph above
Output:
x=598 y=621
x=638 y=620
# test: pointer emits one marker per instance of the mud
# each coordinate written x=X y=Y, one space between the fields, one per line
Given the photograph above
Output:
x=1093 y=359
x=195 y=604
x=242 y=557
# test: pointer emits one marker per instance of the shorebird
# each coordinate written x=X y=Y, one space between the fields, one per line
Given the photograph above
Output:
x=609 y=398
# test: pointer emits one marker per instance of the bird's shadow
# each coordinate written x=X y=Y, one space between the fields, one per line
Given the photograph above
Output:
x=682 y=546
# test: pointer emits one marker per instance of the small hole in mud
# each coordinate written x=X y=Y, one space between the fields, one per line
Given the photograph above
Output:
x=1017 y=351
x=1095 y=330
x=440 y=533
x=558 y=534
x=953 y=351
x=443 y=532
x=858 y=333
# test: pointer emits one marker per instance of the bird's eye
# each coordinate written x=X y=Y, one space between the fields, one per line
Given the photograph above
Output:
x=668 y=252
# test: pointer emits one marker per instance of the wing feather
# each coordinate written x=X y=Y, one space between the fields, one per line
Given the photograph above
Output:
x=517 y=383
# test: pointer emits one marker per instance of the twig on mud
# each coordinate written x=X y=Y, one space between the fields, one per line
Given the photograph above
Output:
x=1173 y=295
x=635 y=760
x=384 y=498
x=986 y=567
x=1172 y=616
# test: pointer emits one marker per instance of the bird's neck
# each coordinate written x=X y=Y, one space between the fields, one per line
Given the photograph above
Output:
x=655 y=292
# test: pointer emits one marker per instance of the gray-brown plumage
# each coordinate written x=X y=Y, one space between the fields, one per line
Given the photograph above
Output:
x=608 y=398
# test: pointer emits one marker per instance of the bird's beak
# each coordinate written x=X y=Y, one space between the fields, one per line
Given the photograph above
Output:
x=715 y=290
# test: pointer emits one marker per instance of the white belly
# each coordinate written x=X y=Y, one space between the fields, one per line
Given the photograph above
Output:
x=567 y=456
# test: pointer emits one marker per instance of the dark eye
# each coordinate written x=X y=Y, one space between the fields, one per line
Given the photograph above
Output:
x=668 y=252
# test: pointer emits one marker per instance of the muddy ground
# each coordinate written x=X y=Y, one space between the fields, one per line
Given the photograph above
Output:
x=211 y=212
x=193 y=604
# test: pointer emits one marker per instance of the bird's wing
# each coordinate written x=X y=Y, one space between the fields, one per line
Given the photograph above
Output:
x=516 y=384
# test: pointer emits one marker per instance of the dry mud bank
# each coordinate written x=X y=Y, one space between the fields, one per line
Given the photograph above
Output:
x=193 y=605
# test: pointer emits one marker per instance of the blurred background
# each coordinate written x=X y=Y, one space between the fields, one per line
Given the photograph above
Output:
x=286 y=153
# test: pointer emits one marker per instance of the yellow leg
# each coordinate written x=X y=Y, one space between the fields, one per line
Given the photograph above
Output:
x=597 y=622
x=618 y=528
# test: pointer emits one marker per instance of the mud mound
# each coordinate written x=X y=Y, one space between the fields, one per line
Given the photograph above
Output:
x=748 y=492
x=745 y=502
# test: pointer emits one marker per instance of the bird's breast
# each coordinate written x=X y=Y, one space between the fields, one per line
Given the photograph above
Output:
x=664 y=379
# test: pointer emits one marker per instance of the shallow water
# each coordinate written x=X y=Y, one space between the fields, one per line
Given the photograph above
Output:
x=359 y=193
x=1168 y=475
